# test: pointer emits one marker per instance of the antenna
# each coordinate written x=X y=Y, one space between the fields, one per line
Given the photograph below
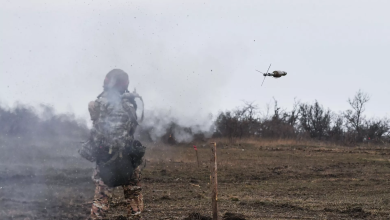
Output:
x=265 y=74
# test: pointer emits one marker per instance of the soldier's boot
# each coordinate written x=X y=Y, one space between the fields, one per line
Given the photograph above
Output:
x=101 y=201
x=134 y=201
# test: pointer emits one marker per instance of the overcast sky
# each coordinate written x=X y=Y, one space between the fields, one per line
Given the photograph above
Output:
x=196 y=57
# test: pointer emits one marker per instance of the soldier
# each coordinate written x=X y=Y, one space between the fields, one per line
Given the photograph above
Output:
x=113 y=147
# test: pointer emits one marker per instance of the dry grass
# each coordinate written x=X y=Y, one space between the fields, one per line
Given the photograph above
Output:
x=282 y=179
x=275 y=179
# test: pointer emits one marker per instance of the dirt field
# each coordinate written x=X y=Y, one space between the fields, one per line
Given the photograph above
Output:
x=261 y=180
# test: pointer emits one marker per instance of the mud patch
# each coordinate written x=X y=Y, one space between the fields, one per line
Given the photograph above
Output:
x=233 y=216
x=271 y=204
x=355 y=212
x=197 y=216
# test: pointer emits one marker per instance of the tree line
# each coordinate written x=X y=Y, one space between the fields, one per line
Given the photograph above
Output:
x=305 y=121
x=24 y=122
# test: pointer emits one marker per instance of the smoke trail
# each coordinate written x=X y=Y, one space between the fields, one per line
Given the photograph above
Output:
x=161 y=124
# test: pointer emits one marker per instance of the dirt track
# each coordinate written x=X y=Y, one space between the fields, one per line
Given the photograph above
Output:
x=259 y=180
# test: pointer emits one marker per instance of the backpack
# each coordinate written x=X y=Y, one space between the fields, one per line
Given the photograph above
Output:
x=112 y=144
x=118 y=171
x=114 y=170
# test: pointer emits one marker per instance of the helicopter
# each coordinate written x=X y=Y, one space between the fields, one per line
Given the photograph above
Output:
x=275 y=74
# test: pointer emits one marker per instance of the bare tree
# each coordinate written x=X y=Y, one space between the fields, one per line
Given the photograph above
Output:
x=354 y=116
x=376 y=129
x=226 y=124
x=315 y=120
x=251 y=118
x=294 y=114
x=277 y=126
x=309 y=120
x=337 y=131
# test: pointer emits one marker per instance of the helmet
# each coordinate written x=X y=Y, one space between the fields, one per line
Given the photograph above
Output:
x=116 y=79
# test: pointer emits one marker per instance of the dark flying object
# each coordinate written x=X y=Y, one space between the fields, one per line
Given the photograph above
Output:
x=275 y=74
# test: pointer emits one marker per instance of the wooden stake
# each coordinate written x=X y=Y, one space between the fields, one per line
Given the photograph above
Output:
x=197 y=157
x=213 y=181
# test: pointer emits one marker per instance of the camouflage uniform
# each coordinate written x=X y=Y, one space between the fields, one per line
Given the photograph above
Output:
x=103 y=197
x=114 y=123
x=114 y=119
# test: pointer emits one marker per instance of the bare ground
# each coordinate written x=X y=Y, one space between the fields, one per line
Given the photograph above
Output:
x=259 y=179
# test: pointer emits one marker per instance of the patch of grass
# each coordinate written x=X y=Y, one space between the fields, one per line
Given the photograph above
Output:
x=267 y=180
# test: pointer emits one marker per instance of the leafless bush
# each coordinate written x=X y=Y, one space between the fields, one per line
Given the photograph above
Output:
x=305 y=120
x=376 y=129
x=354 y=117
x=246 y=122
x=315 y=120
